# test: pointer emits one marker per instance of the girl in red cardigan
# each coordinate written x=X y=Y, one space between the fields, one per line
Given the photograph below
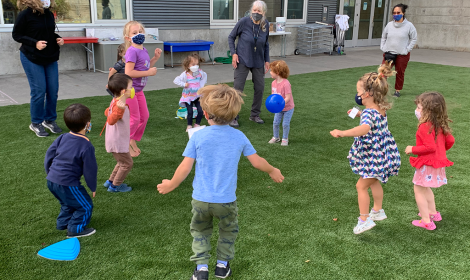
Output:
x=433 y=139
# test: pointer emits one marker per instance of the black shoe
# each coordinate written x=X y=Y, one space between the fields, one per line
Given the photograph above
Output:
x=257 y=119
x=397 y=93
x=52 y=126
x=85 y=232
x=202 y=274
x=38 y=129
x=234 y=123
x=222 y=271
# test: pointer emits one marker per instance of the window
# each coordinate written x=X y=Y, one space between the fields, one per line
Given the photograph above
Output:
x=77 y=11
x=224 y=11
x=111 y=9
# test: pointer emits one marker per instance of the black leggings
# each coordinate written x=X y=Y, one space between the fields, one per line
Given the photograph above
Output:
x=200 y=113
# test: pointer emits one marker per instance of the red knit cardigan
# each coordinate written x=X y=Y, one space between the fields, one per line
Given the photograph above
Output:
x=431 y=151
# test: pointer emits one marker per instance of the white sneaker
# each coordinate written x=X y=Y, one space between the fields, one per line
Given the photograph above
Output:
x=363 y=225
x=284 y=142
x=377 y=215
x=274 y=140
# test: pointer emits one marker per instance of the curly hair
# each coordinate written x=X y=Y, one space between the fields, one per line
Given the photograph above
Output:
x=36 y=5
x=221 y=102
x=187 y=61
x=279 y=67
x=376 y=83
x=434 y=111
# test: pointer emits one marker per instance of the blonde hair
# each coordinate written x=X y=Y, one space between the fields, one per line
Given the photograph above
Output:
x=434 y=111
x=121 y=49
x=376 y=83
x=279 y=67
x=127 y=29
x=221 y=102
x=36 y=5
x=187 y=61
x=264 y=8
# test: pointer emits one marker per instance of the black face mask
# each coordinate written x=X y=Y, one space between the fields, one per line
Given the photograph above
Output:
x=256 y=16
x=358 y=99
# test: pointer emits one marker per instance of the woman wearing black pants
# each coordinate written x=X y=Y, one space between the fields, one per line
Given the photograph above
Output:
x=251 y=54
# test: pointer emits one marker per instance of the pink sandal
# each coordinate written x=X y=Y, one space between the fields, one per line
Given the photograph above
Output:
x=435 y=218
x=428 y=226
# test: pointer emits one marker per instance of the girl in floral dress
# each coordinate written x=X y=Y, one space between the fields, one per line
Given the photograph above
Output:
x=433 y=139
x=374 y=155
x=192 y=79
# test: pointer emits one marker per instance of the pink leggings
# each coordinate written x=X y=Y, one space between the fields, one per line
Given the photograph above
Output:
x=139 y=115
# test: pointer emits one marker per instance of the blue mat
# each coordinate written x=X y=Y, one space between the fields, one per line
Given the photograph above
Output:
x=66 y=250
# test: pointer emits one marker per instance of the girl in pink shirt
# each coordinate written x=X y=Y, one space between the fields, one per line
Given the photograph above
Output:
x=280 y=72
x=433 y=139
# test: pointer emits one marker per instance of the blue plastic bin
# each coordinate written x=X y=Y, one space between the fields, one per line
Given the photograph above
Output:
x=186 y=46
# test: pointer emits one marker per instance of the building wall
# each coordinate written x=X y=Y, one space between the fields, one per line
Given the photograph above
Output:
x=73 y=56
x=441 y=24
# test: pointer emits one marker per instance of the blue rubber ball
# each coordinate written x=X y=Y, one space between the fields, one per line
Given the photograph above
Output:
x=275 y=103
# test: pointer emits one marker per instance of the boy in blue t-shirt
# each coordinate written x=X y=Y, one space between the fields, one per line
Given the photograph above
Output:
x=217 y=150
x=69 y=157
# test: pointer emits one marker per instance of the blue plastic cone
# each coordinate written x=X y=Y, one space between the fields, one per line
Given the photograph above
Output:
x=66 y=250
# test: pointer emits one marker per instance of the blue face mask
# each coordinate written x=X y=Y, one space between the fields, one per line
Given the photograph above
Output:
x=138 y=39
x=397 y=17
x=358 y=99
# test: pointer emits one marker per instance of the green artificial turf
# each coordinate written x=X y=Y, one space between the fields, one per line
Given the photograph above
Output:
x=286 y=230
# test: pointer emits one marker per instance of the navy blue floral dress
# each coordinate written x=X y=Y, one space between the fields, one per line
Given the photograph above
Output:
x=375 y=155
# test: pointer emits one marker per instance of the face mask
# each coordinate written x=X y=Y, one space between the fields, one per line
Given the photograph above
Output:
x=358 y=99
x=194 y=68
x=418 y=114
x=46 y=3
x=88 y=128
x=138 y=39
x=397 y=17
x=256 y=16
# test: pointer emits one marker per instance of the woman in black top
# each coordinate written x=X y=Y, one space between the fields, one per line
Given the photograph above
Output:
x=251 y=54
x=39 y=52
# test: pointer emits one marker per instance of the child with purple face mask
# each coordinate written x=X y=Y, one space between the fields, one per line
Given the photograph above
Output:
x=433 y=139
x=374 y=154
x=139 y=67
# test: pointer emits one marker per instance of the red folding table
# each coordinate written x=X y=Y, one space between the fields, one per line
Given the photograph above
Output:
x=85 y=41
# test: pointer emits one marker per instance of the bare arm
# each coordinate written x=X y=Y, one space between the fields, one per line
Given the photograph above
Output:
x=261 y=164
x=138 y=74
x=181 y=173
x=111 y=72
x=353 y=132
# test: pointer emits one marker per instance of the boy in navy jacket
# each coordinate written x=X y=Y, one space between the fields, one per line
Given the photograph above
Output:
x=69 y=157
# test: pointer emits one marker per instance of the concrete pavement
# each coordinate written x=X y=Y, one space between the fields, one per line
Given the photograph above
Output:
x=14 y=89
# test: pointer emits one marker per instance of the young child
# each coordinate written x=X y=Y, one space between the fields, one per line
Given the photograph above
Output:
x=69 y=157
x=120 y=65
x=374 y=155
x=139 y=67
x=118 y=131
x=433 y=139
x=280 y=72
x=192 y=79
x=216 y=150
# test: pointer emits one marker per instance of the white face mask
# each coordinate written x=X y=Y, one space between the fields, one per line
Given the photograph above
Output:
x=194 y=68
x=46 y=3
x=418 y=114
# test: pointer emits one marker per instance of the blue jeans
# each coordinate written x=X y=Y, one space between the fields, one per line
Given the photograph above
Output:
x=44 y=84
x=285 y=123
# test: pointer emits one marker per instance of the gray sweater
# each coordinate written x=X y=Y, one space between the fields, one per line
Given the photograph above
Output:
x=399 y=37
x=246 y=43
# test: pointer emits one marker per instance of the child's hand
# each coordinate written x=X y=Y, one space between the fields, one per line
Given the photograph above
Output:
x=358 y=113
x=276 y=175
x=158 y=53
x=110 y=68
x=409 y=150
x=94 y=193
x=186 y=85
x=336 y=133
x=152 y=71
x=165 y=187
